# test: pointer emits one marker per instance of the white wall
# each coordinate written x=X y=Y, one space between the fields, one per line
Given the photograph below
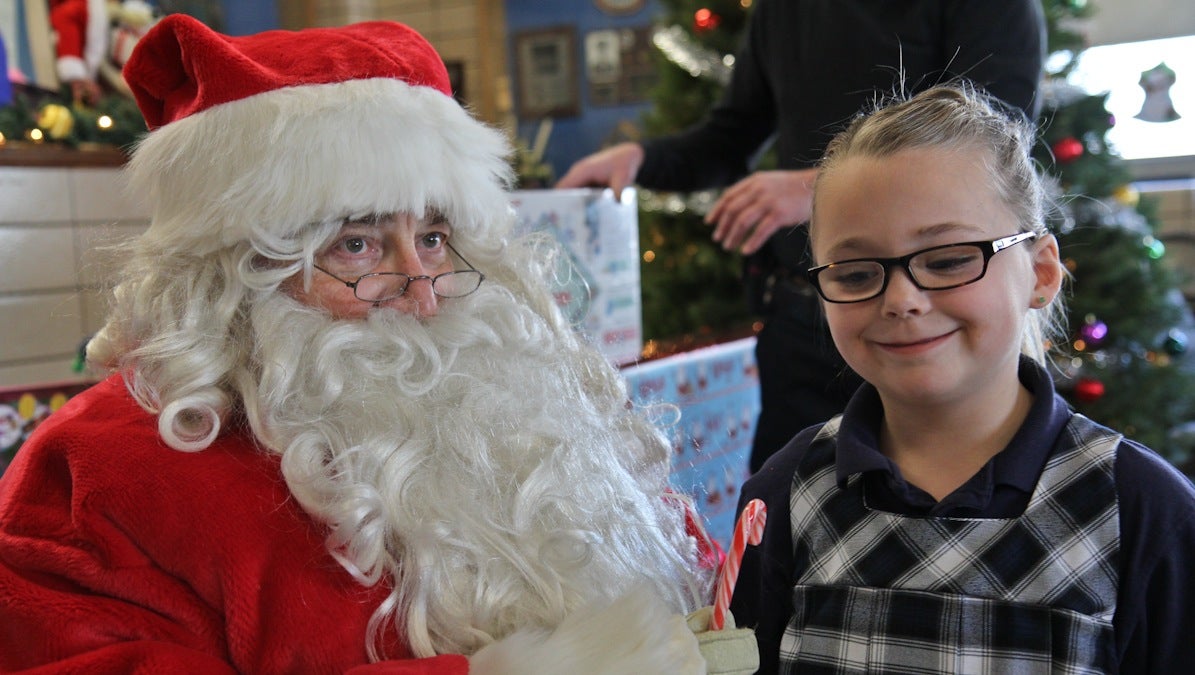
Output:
x=1117 y=21
x=55 y=225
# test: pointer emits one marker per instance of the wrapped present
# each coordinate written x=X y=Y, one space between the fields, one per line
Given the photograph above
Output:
x=597 y=283
x=716 y=393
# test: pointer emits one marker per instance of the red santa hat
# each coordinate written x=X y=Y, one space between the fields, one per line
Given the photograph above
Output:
x=264 y=134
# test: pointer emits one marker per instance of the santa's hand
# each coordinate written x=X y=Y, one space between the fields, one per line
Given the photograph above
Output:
x=636 y=634
x=731 y=651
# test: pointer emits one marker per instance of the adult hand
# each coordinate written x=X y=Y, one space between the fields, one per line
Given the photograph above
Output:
x=615 y=167
x=751 y=210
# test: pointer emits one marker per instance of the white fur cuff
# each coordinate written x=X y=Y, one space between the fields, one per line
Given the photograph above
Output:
x=636 y=634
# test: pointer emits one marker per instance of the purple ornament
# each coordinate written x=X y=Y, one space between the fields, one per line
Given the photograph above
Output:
x=1094 y=332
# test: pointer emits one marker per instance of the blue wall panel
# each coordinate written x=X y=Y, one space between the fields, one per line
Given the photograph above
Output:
x=242 y=17
x=573 y=137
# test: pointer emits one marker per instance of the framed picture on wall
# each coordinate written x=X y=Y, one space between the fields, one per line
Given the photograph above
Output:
x=546 y=64
x=618 y=65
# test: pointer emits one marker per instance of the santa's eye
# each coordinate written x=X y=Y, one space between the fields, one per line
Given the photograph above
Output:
x=354 y=244
x=433 y=240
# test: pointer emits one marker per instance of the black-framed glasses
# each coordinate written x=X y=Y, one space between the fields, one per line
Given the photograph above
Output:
x=378 y=287
x=931 y=269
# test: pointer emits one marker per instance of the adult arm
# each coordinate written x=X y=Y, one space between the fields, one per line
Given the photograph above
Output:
x=998 y=45
x=721 y=148
x=1001 y=46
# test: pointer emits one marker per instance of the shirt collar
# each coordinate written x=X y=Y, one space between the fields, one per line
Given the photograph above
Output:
x=1018 y=465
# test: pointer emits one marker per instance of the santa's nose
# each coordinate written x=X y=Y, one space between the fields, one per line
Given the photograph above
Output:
x=420 y=298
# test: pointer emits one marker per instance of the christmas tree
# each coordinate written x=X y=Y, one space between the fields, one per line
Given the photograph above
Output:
x=1123 y=366
x=692 y=289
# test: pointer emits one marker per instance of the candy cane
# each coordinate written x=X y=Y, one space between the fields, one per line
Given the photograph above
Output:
x=748 y=530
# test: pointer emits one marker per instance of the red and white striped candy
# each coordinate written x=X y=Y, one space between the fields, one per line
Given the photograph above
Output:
x=748 y=530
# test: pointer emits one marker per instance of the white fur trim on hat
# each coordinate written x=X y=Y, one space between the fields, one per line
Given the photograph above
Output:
x=280 y=160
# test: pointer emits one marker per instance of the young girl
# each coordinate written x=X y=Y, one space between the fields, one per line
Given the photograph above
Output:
x=958 y=516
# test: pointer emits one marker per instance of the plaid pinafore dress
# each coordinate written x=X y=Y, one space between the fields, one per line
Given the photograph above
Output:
x=880 y=592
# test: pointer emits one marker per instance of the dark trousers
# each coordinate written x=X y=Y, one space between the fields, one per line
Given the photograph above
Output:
x=803 y=380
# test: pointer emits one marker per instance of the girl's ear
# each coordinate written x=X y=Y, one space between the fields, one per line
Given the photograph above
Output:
x=1048 y=270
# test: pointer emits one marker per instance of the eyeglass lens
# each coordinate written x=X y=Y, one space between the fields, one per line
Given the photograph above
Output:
x=931 y=270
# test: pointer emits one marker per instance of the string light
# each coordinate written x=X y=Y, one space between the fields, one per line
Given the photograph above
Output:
x=104 y=122
x=694 y=58
x=1153 y=248
x=704 y=20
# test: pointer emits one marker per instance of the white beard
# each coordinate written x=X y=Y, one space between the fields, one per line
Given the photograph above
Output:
x=481 y=461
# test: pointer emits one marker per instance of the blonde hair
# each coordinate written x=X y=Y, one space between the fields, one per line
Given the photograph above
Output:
x=955 y=116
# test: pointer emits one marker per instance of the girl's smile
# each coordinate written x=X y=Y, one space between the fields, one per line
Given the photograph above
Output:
x=914 y=346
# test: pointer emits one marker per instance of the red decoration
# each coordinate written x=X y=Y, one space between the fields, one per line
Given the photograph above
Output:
x=1068 y=150
x=1088 y=390
x=704 y=20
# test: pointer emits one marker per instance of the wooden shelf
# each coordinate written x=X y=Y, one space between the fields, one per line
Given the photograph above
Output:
x=53 y=155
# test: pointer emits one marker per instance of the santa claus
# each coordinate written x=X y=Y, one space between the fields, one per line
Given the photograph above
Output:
x=345 y=427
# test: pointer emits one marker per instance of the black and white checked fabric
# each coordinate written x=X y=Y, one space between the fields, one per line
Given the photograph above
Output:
x=881 y=592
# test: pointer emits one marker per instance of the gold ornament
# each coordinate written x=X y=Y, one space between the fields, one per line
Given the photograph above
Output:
x=1127 y=194
x=26 y=406
x=56 y=120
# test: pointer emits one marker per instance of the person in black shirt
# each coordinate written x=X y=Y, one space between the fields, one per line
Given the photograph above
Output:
x=804 y=70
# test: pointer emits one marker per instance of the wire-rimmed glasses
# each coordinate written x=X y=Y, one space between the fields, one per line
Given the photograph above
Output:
x=932 y=269
x=378 y=287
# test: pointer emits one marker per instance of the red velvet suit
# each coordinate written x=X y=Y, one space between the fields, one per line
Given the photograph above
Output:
x=119 y=554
